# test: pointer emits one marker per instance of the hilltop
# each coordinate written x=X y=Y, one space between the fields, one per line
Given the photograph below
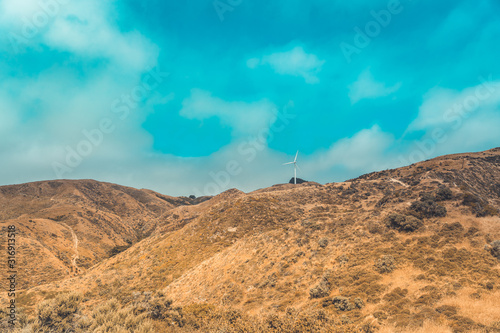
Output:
x=406 y=249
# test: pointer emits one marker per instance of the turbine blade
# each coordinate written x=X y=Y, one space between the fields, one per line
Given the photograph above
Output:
x=288 y=163
x=297 y=154
x=298 y=167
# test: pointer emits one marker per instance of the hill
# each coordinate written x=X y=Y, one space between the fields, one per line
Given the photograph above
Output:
x=66 y=226
x=409 y=249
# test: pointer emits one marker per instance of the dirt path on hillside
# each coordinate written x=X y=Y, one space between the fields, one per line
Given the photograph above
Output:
x=75 y=249
x=398 y=181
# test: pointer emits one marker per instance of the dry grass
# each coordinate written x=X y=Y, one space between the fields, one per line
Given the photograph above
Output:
x=427 y=327
x=246 y=262
x=484 y=310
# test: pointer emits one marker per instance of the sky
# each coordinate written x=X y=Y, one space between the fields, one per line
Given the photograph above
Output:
x=200 y=96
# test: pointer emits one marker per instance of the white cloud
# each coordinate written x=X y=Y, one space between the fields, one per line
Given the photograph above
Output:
x=456 y=121
x=42 y=115
x=62 y=104
x=9 y=118
x=295 y=62
x=83 y=28
x=363 y=151
x=244 y=118
x=450 y=108
x=466 y=138
x=367 y=87
x=17 y=10
x=83 y=32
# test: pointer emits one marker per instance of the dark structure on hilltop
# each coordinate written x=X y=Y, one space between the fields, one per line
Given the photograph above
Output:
x=299 y=181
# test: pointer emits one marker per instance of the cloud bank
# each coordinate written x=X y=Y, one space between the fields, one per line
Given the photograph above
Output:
x=127 y=92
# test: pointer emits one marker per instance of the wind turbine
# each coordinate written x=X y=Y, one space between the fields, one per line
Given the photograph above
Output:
x=295 y=166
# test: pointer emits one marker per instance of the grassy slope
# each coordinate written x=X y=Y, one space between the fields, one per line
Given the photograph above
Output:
x=264 y=251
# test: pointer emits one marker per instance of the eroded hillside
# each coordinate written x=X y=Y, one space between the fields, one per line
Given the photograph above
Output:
x=64 y=227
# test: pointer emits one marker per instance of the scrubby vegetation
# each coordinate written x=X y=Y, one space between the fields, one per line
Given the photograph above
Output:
x=393 y=251
x=427 y=207
x=119 y=248
x=405 y=223
x=386 y=264
x=494 y=248
x=153 y=313
x=58 y=315
x=479 y=207
x=443 y=193
x=343 y=303
x=70 y=313
x=321 y=290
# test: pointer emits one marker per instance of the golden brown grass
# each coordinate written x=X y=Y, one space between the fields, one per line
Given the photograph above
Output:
x=247 y=262
x=484 y=310
x=427 y=327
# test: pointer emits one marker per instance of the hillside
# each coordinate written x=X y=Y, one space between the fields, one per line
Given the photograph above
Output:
x=409 y=249
x=67 y=226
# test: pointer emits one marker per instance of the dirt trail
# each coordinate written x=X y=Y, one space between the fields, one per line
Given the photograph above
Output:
x=399 y=182
x=75 y=248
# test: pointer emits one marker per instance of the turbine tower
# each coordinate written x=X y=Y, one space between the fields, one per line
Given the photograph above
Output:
x=295 y=166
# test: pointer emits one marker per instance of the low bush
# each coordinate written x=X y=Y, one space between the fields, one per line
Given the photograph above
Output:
x=495 y=249
x=443 y=193
x=342 y=259
x=58 y=314
x=403 y=223
x=343 y=303
x=470 y=199
x=478 y=206
x=447 y=310
x=386 y=264
x=323 y=242
x=425 y=196
x=427 y=209
x=484 y=209
x=321 y=290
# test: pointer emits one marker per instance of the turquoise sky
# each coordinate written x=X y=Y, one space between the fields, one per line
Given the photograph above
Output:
x=195 y=97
